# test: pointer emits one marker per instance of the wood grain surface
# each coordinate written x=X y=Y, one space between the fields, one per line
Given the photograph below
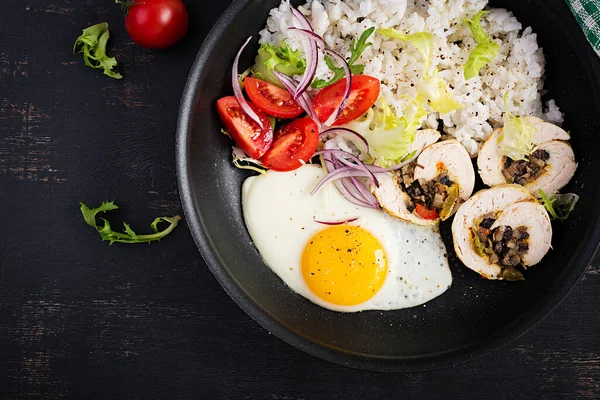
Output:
x=84 y=320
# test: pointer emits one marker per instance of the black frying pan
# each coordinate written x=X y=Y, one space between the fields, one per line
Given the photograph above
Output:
x=474 y=316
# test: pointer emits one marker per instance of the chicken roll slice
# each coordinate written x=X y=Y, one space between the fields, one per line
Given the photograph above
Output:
x=392 y=198
x=549 y=167
x=432 y=187
x=500 y=231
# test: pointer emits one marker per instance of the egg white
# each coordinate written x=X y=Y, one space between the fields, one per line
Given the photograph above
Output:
x=280 y=215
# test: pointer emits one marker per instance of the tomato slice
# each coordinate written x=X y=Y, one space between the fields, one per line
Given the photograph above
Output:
x=246 y=133
x=363 y=94
x=425 y=212
x=294 y=144
x=271 y=99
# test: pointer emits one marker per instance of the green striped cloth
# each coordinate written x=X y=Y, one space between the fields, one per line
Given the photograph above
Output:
x=587 y=13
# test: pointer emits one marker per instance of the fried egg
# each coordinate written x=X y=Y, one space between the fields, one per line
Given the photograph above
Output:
x=375 y=262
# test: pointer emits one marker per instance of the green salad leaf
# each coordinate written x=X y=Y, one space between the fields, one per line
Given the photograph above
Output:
x=517 y=135
x=92 y=44
x=423 y=41
x=278 y=58
x=559 y=206
x=356 y=50
x=390 y=136
x=485 y=51
x=128 y=236
x=431 y=86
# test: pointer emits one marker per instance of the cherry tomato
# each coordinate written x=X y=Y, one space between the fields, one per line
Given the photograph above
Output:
x=425 y=212
x=156 y=24
x=271 y=99
x=363 y=94
x=294 y=144
x=245 y=132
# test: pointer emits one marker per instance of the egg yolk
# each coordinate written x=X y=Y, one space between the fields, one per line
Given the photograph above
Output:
x=344 y=265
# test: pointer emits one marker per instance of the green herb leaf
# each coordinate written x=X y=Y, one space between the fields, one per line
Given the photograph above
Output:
x=485 y=51
x=356 y=50
x=281 y=59
x=517 y=135
x=559 y=206
x=129 y=236
x=92 y=44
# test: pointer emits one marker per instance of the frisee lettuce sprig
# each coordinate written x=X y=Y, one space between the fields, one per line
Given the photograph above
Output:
x=92 y=44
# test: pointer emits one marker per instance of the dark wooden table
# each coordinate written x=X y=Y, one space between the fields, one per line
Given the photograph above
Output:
x=82 y=319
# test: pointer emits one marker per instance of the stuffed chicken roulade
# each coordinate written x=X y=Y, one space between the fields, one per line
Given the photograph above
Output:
x=501 y=231
x=549 y=167
x=432 y=187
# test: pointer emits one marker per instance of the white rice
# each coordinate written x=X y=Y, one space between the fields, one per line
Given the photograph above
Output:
x=518 y=69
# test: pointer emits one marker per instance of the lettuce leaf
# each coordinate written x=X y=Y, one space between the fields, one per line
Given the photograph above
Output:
x=390 y=136
x=517 y=135
x=281 y=59
x=485 y=51
x=92 y=44
x=423 y=41
x=559 y=206
x=431 y=86
x=436 y=91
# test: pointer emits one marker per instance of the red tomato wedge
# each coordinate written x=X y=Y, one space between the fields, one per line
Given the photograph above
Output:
x=426 y=213
x=271 y=99
x=246 y=133
x=363 y=94
x=294 y=144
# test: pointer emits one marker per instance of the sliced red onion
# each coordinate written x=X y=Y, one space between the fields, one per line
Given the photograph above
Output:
x=237 y=90
x=344 y=186
x=332 y=223
x=340 y=108
x=311 y=53
x=348 y=134
x=364 y=192
x=309 y=34
x=304 y=100
x=301 y=19
x=339 y=173
x=343 y=157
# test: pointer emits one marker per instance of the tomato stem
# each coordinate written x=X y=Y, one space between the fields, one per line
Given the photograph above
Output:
x=125 y=5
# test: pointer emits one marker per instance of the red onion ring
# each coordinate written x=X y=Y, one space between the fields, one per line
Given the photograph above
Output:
x=332 y=223
x=345 y=189
x=340 y=108
x=348 y=134
x=342 y=156
x=304 y=100
x=237 y=90
x=311 y=53
x=339 y=173
x=310 y=35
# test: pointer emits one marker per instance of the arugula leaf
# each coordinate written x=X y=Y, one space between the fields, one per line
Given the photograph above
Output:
x=559 y=206
x=485 y=51
x=356 y=50
x=92 y=44
x=281 y=59
x=129 y=236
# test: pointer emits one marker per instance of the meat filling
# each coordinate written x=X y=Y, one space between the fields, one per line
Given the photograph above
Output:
x=502 y=245
x=524 y=171
x=433 y=194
